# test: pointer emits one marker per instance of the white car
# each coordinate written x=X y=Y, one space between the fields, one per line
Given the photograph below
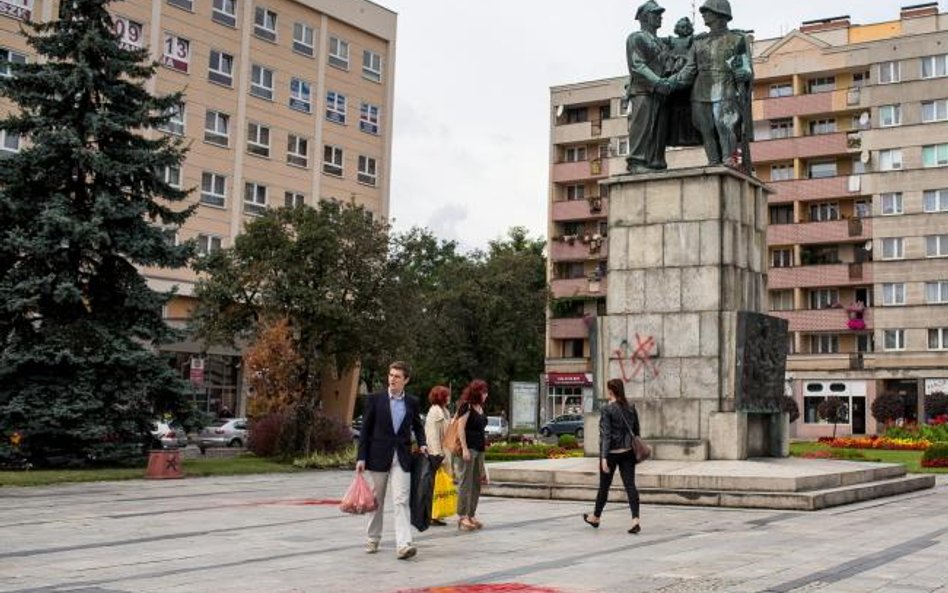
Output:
x=497 y=429
x=226 y=432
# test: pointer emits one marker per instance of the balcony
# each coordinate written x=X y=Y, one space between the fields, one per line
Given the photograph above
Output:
x=579 y=250
x=578 y=287
x=567 y=365
x=810 y=104
x=785 y=149
x=574 y=133
x=568 y=329
x=835 y=231
x=587 y=209
x=811 y=189
x=823 y=320
x=580 y=170
x=816 y=276
x=837 y=361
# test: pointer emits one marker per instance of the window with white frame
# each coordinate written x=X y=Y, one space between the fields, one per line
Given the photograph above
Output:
x=258 y=139
x=216 y=128
x=576 y=192
x=172 y=176
x=293 y=199
x=822 y=126
x=297 y=151
x=893 y=293
x=781 y=89
x=935 y=200
x=265 y=23
x=891 y=203
x=176 y=120
x=7 y=57
x=936 y=246
x=890 y=72
x=821 y=84
x=935 y=66
x=183 y=4
x=332 y=160
x=622 y=146
x=369 y=118
x=130 y=34
x=824 y=211
x=781 y=258
x=213 y=189
x=824 y=344
x=893 y=340
x=893 y=248
x=300 y=95
x=823 y=298
x=890 y=159
x=371 y=66
x=220 y=68
x=9 y=142
x=934 y=110
x=781 y=128
x=304 y=39
x=177 y=53
x=936 y=293
x=860 y=79
x=821 y=169
x=338 y=53
x=336 y=107
x=863 y=209
x=224 y=12
x=261 y=82
x=938 y=338
x=935 y=155
x=575 y=154
x=368 y=170
x=255 y=198
x=208 y=244
x=864 y=342
x=781 y=300
x=781 y=172
x=890 y=115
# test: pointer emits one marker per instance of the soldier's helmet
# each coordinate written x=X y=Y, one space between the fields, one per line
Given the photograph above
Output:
x=650 y=6
x=722 y=7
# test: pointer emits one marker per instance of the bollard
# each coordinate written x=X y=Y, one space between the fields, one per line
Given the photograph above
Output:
x=164 y=464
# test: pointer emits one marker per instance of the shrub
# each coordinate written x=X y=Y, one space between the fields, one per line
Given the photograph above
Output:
x=283 y=435
x=567 y=441
x=344 y=459
x=832 y=409
x=264 y=434
x=936 y=404
x=936 y=455
x=888 y=407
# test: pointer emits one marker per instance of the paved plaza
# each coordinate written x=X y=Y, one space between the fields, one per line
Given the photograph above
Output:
x=282 y=533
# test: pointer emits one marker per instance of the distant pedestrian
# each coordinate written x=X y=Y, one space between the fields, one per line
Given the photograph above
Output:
x=436 y=424
x=472 y=423
x=617 y=424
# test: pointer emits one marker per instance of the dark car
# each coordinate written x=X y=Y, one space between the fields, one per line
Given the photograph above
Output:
x=565 y=424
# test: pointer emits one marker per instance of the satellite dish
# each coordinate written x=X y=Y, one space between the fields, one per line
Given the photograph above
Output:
x=864 y=119
x=559 y=111
x=868 y=246
x=864 y=157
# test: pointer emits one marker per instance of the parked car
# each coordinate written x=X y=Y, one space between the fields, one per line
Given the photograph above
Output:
x=497 y=429
x=565 y=424
x=225 y=432
x=168 y=435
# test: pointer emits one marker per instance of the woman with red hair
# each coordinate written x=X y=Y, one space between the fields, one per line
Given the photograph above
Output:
x=472 y=422
x=436 y=424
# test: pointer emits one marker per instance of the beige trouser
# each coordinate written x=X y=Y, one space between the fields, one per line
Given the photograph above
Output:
x=401 y=491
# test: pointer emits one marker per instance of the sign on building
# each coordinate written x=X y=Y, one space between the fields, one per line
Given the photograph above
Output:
x=524 y=402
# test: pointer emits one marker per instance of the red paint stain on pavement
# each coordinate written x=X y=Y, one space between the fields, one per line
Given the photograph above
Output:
x=297 y=502
x=491 y=588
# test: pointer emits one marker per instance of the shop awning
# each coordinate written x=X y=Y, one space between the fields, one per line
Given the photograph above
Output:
x=569 y=379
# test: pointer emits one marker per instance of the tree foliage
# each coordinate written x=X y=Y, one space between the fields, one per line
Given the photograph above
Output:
x=833 y=409
x=936 y=404
x=889 y=407
x=82 y=206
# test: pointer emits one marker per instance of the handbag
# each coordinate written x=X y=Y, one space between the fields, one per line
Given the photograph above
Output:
x=451 y=441
x=641 y=448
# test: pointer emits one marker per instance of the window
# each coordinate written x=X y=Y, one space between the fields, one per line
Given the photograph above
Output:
x=332 y=160
x=258 y=139
x=371 y=66
x=303 y=39
x=338 y=53
x=893 y=248
x=622 y=146
x=367 y=170
x=890 y=160
x=336 y=107
x=821 y=84
x=935 y=155
x=128 y=31
x=172 y=176
x=936 y=246
x=576 y=192
x=781 y=128
x=185 y=4
x=265 y=23
x=781 y=172
x=863 y=210
x=297 y=151
x=207 y=244
x=891 y=203
x=575 y=154
x=782 y=214
x=821 y=169
x=822 y=126
x=823 y=298
x=934 y=110
x=781 y=300
x=213 y=189
x=625 y=107
x=176 y=119
x=824 y=212
x=935 y=66
x=890 y=115
x=369 y=118
x=220 y=68
x=781 y=258
x=824 y=344
x=936 y=293
x=300 y=95
x=781 y=89
x=261 y=82
x=216 y=128
x=860 y=79
x=293 y=199
x=255 y=198
x=889 y=72
x=893 y=340
x=893 y=293
x=864 y=343
x=177 y=53
x=935 y=200
x=225 y=12
x=9 y=142
x=938 y=338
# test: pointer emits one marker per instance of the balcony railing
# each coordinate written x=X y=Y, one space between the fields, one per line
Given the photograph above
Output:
x=815 y=276
x=819 y=232
x=825 y=320
x=579 y=249
x=568 y=329
x=806 y=147
x=578 y=287
x=577 y=170
x=586 y=209
x=811 y=189
x=813 y=103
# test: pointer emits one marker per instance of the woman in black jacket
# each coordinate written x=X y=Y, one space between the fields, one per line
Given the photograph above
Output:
x=617 y=424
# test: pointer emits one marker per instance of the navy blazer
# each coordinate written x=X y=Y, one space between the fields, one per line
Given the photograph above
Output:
x=378 y=441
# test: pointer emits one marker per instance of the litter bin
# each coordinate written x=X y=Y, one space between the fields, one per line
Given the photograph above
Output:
x=164 y=464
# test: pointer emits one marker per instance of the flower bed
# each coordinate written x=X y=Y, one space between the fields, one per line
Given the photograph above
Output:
x=505 y=451
x=936 y=455
x=877 y=442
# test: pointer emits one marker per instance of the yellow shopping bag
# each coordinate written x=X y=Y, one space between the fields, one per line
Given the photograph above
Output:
x=445 y=501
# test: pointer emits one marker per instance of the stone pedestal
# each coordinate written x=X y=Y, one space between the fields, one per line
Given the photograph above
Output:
x=687 y=251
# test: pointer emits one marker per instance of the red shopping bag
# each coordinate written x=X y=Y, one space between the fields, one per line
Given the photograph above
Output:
x=359 y=498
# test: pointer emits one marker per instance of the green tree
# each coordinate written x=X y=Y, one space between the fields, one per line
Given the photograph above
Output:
x=81 y=206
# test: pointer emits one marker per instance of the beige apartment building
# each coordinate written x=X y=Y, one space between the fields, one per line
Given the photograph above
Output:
x=851 y=133
x=286 y=102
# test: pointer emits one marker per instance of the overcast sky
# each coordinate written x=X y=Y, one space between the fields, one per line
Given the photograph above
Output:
x=472 y=95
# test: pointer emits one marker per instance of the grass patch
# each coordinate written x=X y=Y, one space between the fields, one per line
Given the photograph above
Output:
x=911 y=459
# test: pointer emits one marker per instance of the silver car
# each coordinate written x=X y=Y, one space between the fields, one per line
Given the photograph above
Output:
x=226 y=432
x=170 y=435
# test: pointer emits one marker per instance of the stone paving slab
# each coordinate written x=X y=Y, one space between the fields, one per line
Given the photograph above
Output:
x=283 y=533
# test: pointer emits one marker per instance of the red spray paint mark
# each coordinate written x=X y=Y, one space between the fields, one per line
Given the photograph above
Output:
x=491 y=588
x=641 y=358
x=297 y=502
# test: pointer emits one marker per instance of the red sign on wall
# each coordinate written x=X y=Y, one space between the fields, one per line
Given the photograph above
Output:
x=574 y=379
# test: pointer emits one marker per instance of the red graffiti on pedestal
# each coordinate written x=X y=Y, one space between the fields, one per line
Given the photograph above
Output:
x=640 y=359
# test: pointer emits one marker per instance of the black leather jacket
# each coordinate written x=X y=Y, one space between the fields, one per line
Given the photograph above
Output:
x=614 y=430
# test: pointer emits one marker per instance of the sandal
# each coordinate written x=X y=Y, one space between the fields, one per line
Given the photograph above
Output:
x=588 y=522
x=477 y=524
x=466 y=525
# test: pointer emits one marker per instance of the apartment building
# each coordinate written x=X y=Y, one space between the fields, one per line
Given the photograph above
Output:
x=851 y=132
x=286 y=102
